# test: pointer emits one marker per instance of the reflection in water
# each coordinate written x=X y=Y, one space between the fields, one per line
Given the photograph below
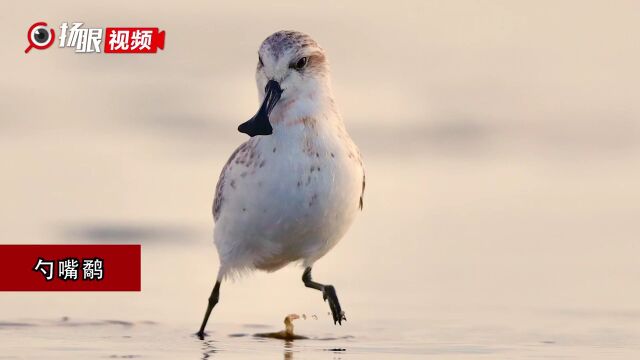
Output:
x=208 y=349
x=288 y=352
x=249 y=341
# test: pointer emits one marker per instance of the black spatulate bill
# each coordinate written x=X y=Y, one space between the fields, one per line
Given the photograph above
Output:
x=259 y=124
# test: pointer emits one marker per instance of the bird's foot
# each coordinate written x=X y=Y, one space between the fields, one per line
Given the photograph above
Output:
x=201 y=334
x=329 y=294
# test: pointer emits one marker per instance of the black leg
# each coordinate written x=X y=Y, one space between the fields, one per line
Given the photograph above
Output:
x=213 y=300
x=328 y=294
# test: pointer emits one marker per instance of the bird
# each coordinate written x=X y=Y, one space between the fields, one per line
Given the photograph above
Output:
x=292 y=190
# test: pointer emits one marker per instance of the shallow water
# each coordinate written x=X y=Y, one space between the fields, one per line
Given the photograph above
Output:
x=502 y=151
x=459 y=338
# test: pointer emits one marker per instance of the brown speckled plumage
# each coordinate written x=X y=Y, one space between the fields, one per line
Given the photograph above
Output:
x=283 y=41
x=362 y=194
x=245 y=155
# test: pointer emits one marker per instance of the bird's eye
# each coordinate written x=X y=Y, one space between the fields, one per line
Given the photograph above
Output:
x=302 y=62
x=260 y=60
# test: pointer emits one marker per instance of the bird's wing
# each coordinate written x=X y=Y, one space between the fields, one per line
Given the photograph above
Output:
x=218 y=199
x=362 y=194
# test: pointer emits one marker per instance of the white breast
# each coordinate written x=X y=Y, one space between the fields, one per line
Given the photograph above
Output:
x=282 y=199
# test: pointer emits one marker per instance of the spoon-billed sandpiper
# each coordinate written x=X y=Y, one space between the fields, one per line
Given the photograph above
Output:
x=292 y=190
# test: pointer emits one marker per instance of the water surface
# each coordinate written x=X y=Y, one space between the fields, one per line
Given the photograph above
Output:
x=502 y=148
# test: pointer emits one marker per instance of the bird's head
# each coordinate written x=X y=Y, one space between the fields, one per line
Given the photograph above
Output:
x=291 y=66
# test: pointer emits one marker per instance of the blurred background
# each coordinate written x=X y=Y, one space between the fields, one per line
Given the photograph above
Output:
x=501 y=141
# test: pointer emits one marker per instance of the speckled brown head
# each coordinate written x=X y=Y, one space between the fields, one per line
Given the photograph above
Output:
x=292 y=46
x=290 y=65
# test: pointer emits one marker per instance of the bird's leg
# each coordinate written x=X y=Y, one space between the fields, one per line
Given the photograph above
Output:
x=213 y=300
x=328 y=293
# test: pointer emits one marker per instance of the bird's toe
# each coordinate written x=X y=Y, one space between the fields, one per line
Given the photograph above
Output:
x=329 y=295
